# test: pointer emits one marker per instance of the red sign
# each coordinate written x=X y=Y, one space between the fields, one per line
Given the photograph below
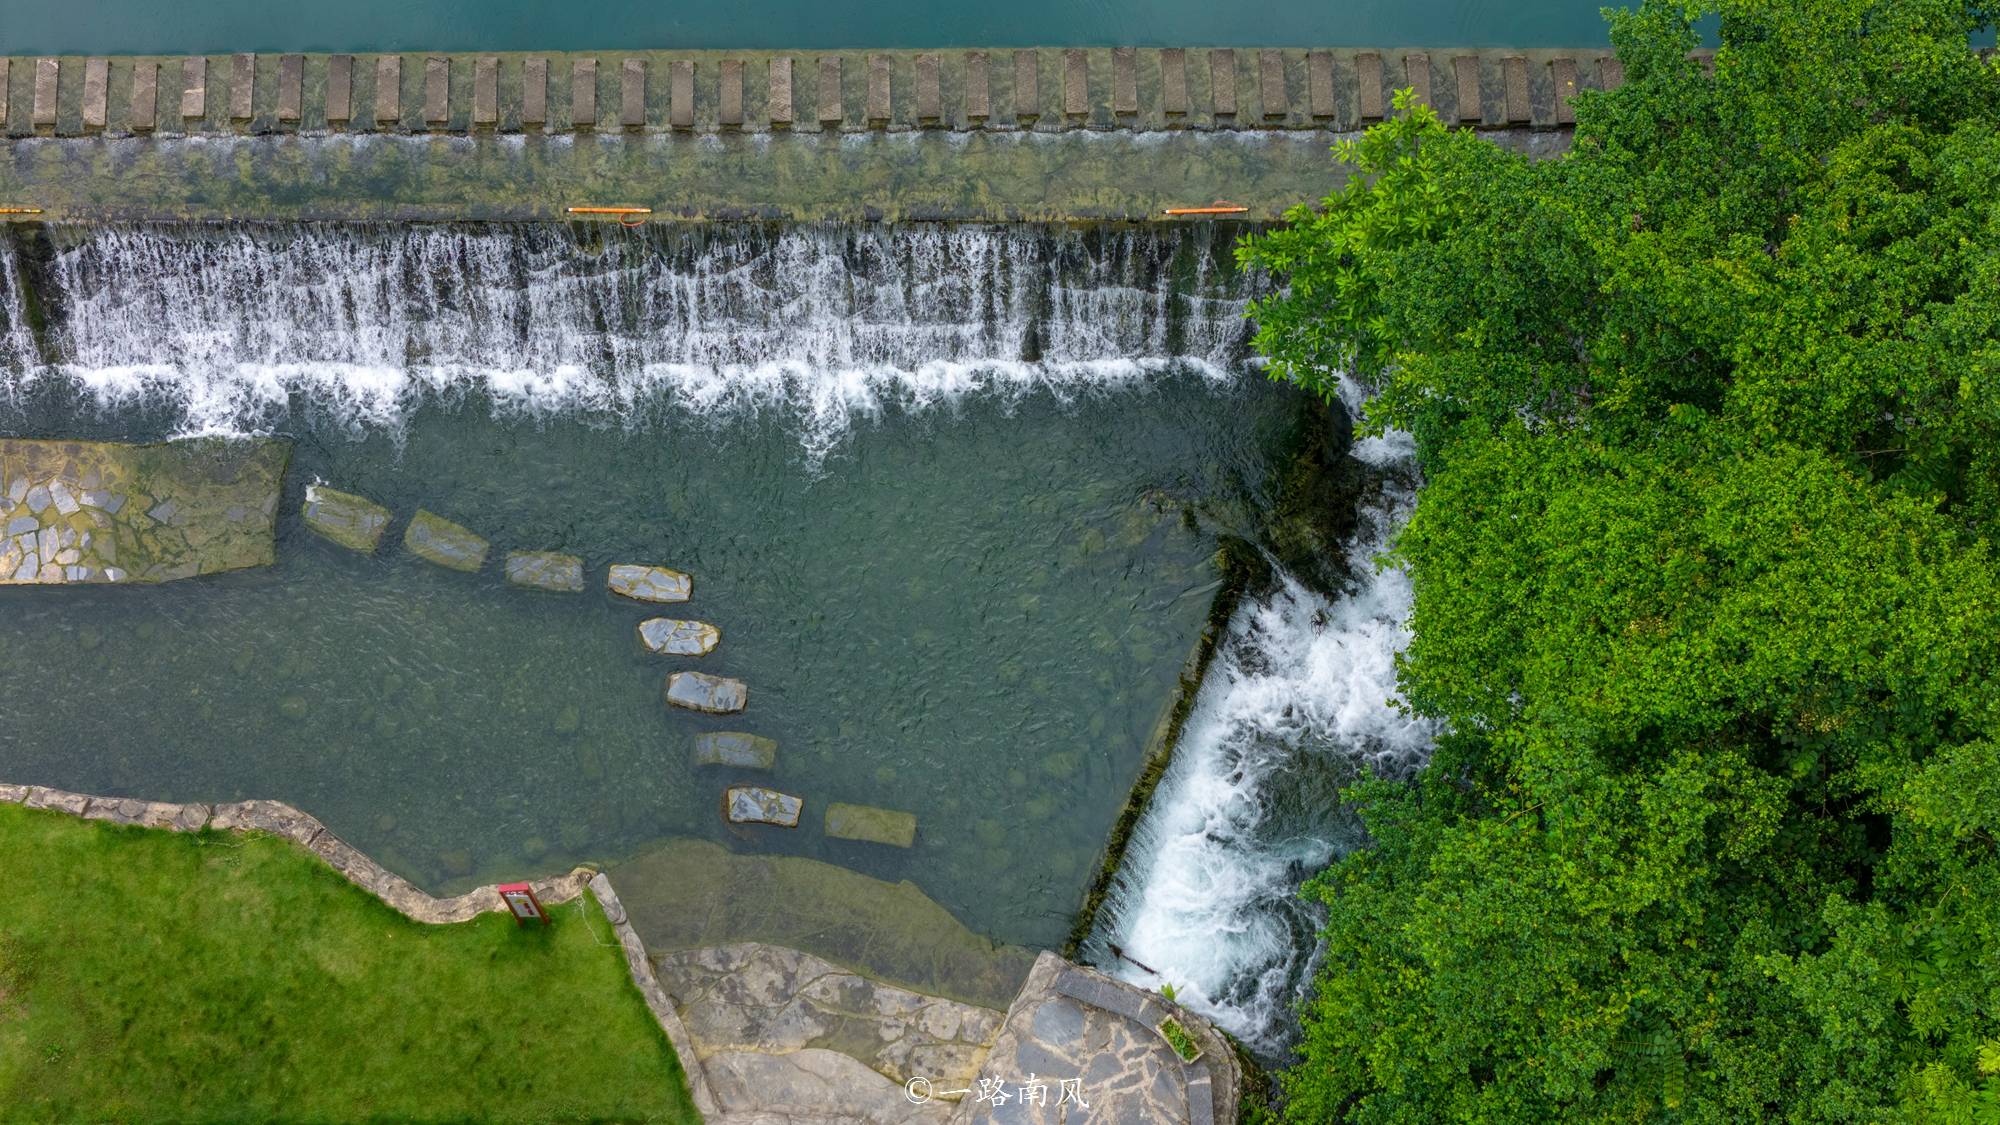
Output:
x=522 y=903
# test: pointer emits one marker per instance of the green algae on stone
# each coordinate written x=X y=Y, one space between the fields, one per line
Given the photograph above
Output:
x=81 y=511
x=545 y=570
x=432 y=537
x=736 y=749
x=354 y=522
x=872 y=825
x=691 y=893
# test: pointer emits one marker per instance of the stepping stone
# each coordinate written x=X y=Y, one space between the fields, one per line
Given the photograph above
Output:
x=678 y=638
x=443 y=542
x=649 y=583
x=545 y=570
x=876 y=826
x=733 y=748
x=699 y=691
x=749 y=804
x=354 y=522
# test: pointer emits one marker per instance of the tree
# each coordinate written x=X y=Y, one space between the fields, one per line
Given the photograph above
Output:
x=1706 y=594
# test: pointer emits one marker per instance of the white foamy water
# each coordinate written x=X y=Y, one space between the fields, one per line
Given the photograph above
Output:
x=238 y=325
x=1301 y=696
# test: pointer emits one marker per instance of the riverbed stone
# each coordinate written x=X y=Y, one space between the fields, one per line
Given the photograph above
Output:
x=545 y=570
x=873 y=825
x=649 y=583
x=699 y=691
x=432 y=537
x=354 y=522
x=78 y=511
x=735 y=749
x=752 y=804
x=678 y=638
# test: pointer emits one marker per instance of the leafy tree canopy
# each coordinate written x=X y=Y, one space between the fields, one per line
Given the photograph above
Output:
x=1706 y=588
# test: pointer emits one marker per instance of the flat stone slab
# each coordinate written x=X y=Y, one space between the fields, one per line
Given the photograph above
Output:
x=735 y=749
x=649 y=583
x=84 y=511
x=545 y=570
x=751 y=804
x=354 y=522
x=876 y=826
x=678 y=638
x=437 y=539
x=699 y=691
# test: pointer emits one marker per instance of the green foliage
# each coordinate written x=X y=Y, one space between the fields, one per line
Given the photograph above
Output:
x=1706 y=589
x=156 y=976
x=1178 y=1037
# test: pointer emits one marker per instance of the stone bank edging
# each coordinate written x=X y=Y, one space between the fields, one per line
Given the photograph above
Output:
x=281 y=819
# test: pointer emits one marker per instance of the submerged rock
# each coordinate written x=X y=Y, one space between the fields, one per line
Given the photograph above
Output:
x=545 y=570
x=354 y=522
x=734 y=748
x=443 y=542
x=649 y=583
x=750 y=804
x=678 y=638
x=699 y=691
x=876 y=826
x=87 y=511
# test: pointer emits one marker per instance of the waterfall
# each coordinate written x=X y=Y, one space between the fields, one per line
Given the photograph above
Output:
x=241 y=324
x=1301 y=696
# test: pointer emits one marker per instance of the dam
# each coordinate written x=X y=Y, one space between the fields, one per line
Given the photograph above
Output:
x=1044 y=621
x=1072 y=134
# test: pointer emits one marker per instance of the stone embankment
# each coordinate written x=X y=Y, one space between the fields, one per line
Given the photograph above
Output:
x=771 y=1036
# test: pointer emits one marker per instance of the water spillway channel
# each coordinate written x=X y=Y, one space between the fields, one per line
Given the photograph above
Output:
x=1299 y=701
x=951 y=495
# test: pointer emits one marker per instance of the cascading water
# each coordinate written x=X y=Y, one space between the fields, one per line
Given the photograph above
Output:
x=1300 y=697
x=240 y=324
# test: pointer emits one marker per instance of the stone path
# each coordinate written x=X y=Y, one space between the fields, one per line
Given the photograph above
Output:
x=779 y=1031
x=1071 y=1023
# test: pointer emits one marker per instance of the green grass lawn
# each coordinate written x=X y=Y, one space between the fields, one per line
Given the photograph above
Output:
x=155 y=976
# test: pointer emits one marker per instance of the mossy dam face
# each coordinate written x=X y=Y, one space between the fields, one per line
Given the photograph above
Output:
x=977 y=135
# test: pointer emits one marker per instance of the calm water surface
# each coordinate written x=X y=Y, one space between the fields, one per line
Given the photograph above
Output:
x=153 y=27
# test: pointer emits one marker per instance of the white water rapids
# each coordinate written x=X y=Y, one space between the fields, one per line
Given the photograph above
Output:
x=238 y=325
x=1300 y=697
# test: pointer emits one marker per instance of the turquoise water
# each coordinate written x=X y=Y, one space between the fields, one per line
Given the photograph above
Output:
x=216 y=26
x=950 y=495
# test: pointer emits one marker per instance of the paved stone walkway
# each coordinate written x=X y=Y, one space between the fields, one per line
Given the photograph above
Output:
x=1070 y=1023
x=779 y=1031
